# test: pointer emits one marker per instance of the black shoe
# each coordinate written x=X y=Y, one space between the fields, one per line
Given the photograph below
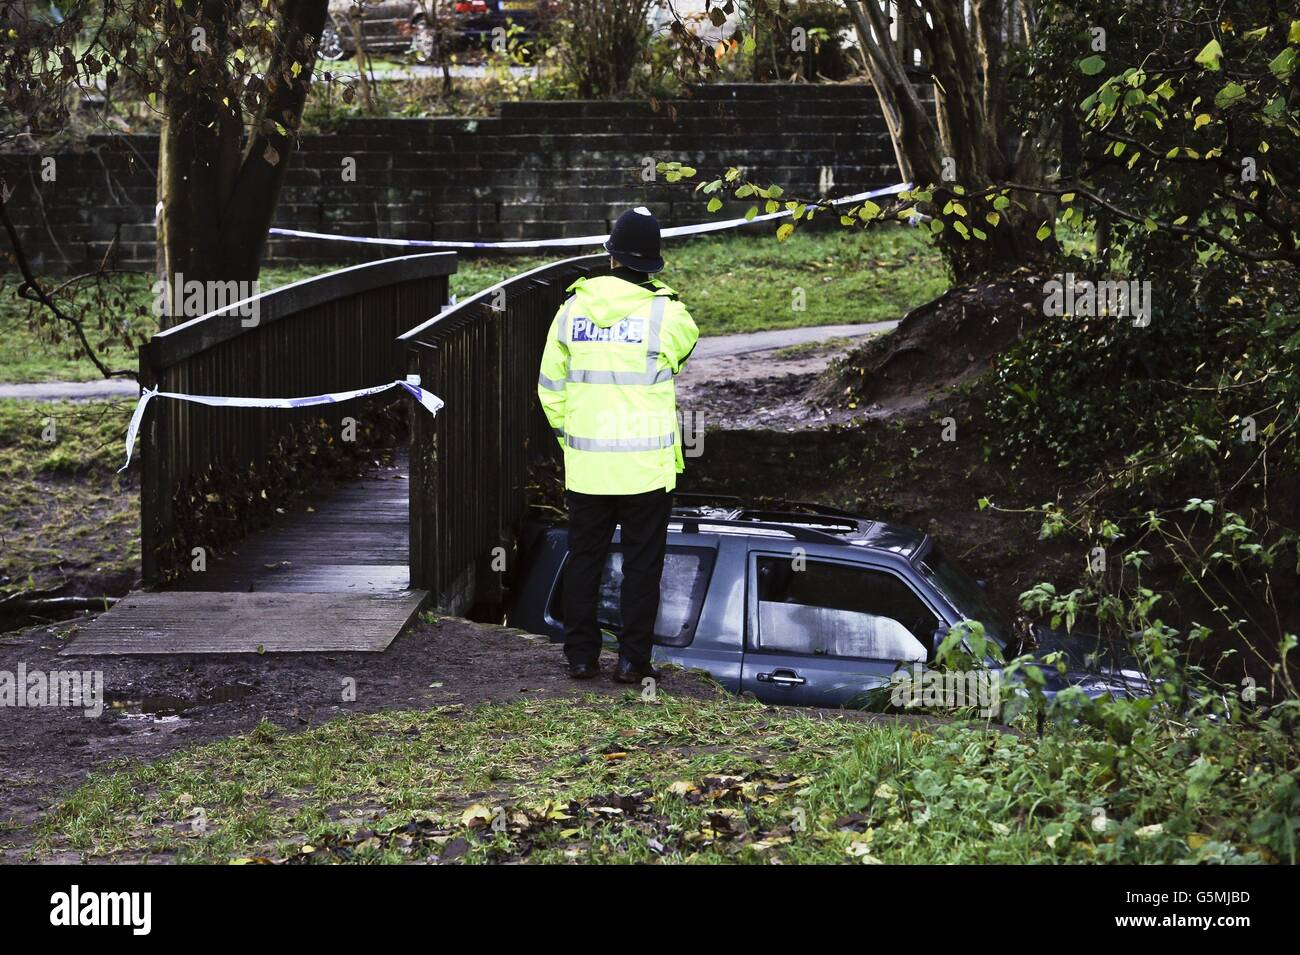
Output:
x=629 y=672
x=584 y=671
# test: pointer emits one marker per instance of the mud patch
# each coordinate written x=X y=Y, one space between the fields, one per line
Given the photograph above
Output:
x=936 y=346
x=158 y=705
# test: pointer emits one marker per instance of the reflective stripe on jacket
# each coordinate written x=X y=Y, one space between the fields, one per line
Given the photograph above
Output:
x=606 y=384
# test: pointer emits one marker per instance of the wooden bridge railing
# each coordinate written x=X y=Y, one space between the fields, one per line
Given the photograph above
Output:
x=469 y=466
x=335 y=332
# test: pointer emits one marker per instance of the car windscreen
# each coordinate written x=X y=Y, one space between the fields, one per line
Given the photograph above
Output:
x=963 y=593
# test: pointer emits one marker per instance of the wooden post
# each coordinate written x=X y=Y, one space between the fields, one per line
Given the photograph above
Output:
x=156 y=518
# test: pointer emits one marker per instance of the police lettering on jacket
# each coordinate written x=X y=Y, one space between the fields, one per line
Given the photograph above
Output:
x=630 y=330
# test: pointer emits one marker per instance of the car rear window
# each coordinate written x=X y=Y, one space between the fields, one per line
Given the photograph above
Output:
x=682 y=590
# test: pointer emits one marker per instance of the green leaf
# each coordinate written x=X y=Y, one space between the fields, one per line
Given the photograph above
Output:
x=715 y=204
x=1228 y=95
x=1210 y=55
x=784 y=232
x=1044 y=231
x=1201 y=120
x=1092 y=65
x=1283 y=65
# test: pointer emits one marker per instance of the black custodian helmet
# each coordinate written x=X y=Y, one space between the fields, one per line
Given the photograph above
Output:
x=635 y=241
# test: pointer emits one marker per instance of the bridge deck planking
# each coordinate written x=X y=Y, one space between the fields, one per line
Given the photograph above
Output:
x=177 y=622
x=331 y=575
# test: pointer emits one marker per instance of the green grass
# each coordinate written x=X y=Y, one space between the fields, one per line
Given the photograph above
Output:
x=747 y=283
x=730 y=283
x=67 y=511
x=601 y=779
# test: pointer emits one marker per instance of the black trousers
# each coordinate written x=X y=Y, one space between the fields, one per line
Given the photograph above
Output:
x=644 y=521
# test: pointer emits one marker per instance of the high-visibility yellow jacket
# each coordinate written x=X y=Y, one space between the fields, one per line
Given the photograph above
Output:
x=606 y=384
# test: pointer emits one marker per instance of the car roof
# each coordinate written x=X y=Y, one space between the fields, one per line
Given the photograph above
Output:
x=797 y=520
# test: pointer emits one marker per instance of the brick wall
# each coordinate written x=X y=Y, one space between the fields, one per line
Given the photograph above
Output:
x=535 y=170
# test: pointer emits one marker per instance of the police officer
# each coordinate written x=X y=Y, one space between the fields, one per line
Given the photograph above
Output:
x=606 y=385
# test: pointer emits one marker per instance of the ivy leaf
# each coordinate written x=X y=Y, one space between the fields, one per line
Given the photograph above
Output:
x=1092 y=65
x=1283 y=65
x=1228 y=95
x=1210 y=55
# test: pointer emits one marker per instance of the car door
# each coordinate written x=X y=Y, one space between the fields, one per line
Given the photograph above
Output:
x=825 y=632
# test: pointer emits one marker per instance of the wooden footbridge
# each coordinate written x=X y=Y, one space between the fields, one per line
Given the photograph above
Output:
x=249 y=545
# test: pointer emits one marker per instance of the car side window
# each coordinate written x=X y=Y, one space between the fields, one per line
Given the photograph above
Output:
x=682 y=589
x=819 y=607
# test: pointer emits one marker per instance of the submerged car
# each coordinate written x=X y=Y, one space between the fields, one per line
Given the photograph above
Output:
x=807 y=605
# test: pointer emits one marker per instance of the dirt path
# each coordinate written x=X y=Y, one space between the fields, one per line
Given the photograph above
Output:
x=762 y=369
x=156 y=706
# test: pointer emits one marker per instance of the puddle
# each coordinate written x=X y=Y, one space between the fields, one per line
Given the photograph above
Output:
x=164 y=707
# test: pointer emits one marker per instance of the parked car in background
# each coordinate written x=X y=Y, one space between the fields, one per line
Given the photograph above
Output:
x=811 y=605
x=409 y=26
x=389 y=26
x=476 y=19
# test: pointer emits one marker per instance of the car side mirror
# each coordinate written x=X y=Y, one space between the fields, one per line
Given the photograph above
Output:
x=937 y=638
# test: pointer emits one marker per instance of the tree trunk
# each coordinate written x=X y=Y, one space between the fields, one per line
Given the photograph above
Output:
x=217 y=187
x=965 y=139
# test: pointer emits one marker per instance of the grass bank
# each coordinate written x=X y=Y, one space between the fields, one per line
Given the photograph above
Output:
x=597 y=779
x=68 y=515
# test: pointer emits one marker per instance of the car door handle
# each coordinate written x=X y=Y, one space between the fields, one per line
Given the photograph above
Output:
x=782 y=678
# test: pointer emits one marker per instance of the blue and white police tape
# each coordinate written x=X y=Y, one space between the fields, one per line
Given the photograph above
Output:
x=581 y=240
x=431 y=402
